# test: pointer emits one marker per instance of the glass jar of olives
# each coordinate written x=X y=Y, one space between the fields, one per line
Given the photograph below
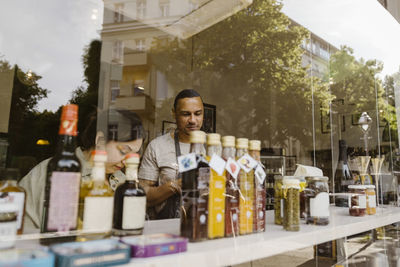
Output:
x=278 y=200
x=358 y=200
x=317 y=200
x=291 y=195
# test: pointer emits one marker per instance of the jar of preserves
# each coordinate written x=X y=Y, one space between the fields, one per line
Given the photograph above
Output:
x=291 y=194
x=371 y=199
x=317 y=200
x=358 y=200
x=278 y=200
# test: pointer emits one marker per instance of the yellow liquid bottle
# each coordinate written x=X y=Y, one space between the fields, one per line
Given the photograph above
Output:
x=216 y=198
x=246 y=186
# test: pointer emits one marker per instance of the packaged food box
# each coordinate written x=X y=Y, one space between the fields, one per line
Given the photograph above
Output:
x=91 y=253
x=26 y=258
x=155 y=245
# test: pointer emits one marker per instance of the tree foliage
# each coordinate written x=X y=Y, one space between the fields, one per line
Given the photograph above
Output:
x=250 y=66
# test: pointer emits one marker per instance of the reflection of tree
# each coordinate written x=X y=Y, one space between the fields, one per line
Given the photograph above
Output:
x=249 y=66
x=86 y=98
x=27 y=125
x=358 y=83
x=22 y=133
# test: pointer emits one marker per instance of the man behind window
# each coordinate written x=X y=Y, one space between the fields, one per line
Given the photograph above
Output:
x=158 y=172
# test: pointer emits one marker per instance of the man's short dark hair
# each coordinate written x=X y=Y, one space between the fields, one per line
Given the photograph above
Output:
x=184 y=94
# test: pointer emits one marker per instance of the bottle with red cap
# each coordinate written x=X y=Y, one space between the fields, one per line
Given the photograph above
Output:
x=129 y=201
x=60 y=206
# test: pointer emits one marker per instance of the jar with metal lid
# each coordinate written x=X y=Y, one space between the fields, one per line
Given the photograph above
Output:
x=371 y=199
x=278 y=200
x=8 y=225
x=291 y=194
x=317 y=200
x=358 y=200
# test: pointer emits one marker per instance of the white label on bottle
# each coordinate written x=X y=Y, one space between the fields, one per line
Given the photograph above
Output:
x=362 y=202
x=260 y=174
x=63 y=204
x=372 y=201
x=98 y=213
x=232 y=167
x=187 y=162
x=17 y=198
x=217 y=164
x=134 y=212
x=282 y=207
x=247 y=163
x=319 y=206
x=8 y=231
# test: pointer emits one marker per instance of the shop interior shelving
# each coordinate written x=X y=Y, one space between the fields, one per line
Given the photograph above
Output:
x=275 y=240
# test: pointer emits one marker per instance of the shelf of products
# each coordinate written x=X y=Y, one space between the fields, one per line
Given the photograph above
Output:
x=230 y=251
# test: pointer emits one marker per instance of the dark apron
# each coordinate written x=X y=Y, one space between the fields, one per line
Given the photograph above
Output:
x=172 y=205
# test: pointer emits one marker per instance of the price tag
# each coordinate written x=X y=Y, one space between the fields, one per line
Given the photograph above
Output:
x=260 y=174
x=187 y=162
x=232 y=167
x=217 y=164
x=247 y=163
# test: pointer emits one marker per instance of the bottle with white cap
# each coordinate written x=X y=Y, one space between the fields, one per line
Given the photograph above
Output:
x=129 y=201
x=259 y=189
x=216 y=198
x=93 y=195
x=195 y=184
x=246 y=185
x=232 y=190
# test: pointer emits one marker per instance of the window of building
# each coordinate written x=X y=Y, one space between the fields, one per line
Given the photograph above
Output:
x=164 y=8
x=118 y=52
x=141 y=9
x=118 y=13
x=115 y=89
x=140 y=44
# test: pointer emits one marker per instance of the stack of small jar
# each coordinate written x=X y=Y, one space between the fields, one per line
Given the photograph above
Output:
x=301 y=197
x=362 y=200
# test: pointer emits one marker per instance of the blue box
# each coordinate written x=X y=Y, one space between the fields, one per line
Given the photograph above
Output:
x=26 y=258
x=91 y=253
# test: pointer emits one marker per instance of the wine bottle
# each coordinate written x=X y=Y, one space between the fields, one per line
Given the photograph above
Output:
x=195 y=192
x=11 y=192
x=343 y=176
x=216 y=198
x=60 y=207
x=259 y=189
x=93 y=195
x=129 y=201
x=232 y=190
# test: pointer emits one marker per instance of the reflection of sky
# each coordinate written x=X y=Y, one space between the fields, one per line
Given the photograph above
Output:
x=49 y=36
x=364 y=25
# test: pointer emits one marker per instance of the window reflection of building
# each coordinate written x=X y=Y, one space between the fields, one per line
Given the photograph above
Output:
x=115 y=90
x=141 y=9
x=118 y=13
x=113 y=131
x=140 y=44
x=118 y=52
x=164 y=8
